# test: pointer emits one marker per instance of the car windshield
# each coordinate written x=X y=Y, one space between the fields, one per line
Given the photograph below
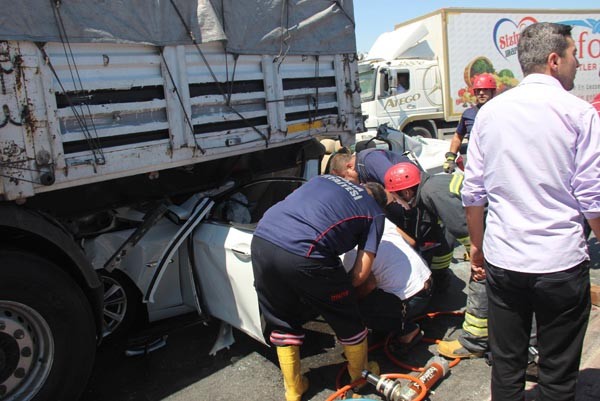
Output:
x=366 y=76
x=247 y=204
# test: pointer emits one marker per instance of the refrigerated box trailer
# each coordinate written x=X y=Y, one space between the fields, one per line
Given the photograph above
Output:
x=437 y=56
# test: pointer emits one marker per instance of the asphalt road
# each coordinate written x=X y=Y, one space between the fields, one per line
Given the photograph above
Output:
x=183 y=370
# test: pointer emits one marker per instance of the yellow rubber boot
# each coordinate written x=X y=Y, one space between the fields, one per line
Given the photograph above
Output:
x=454 y=349
x=357 y=356
x=289 y=362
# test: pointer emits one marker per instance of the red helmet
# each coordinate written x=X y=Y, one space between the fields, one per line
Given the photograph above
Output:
x=401 y=176
x=484 y=81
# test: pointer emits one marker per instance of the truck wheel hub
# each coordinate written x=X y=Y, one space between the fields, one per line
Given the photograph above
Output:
x=26 y=348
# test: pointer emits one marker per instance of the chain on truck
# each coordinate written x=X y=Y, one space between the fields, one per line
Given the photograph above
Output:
x=123 y=142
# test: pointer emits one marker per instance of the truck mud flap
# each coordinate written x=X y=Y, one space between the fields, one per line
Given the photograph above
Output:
x=200 y=211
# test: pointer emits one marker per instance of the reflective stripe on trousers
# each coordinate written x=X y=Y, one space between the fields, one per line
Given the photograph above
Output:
x=441 y=261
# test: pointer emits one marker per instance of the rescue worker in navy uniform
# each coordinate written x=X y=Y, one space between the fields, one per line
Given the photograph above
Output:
x=295 y=260
x=484 y=89
x=370 y=165
x=440 y=217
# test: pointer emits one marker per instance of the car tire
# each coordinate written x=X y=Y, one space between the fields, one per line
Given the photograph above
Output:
x=47 y=331
x=419 y=131
x=123 y=308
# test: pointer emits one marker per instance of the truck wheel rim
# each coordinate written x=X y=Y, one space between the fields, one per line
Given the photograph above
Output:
x=115 y=305
x=26 y=350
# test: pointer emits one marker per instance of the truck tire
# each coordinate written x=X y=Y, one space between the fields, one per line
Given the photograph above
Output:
x=123 y=309
x=47 y=331
x=419 y=131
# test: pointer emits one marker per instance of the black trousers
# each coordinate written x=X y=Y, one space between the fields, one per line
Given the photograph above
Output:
x=386 y=312
x=561 y=302
x=288 y=284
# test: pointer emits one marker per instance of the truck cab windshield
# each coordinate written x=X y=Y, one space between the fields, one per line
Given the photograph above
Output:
x=367 y=75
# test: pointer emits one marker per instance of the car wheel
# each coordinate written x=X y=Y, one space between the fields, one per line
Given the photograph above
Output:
x=419 y=131
x=47 y=331
x=122 y=305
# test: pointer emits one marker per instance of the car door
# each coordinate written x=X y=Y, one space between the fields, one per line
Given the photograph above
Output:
x=224 y=268
x=222 y=259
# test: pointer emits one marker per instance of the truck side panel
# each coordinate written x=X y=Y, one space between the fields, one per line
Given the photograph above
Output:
x=92 y=112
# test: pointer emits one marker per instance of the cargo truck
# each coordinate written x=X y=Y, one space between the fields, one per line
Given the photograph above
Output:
x=436 y=57
x=130 y=137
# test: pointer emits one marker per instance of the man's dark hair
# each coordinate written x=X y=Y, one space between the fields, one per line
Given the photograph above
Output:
x=377 y=191
x=537 y=41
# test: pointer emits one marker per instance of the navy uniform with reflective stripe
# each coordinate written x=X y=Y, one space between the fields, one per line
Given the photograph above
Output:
x=372 y=164
x=295 y=258
x=324 y=218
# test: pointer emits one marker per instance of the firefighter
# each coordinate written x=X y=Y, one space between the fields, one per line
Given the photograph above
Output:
x=484 y=89
x=440 y=217
x=296 y=264
x=371 y=165
x=367 y=165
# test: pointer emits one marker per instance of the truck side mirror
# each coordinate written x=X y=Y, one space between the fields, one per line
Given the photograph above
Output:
x=384 y=83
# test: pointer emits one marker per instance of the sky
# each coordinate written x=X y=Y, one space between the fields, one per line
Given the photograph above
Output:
x=374 y=17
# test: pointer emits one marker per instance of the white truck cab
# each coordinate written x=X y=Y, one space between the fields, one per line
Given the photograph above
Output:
x=406 y=94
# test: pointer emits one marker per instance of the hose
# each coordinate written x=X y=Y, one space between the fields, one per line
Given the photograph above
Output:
x=385 y=344
x=422 y=388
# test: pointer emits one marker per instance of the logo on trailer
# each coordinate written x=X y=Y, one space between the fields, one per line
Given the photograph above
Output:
x=586 y=40
x=507 y=33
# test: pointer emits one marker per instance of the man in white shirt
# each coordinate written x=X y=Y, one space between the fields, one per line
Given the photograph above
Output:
x=534 y=158
x=398 y=290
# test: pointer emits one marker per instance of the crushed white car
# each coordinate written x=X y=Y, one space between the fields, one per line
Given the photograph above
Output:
x=189 y=257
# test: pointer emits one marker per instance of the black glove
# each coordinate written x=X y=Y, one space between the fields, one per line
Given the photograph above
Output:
x=450 y=164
